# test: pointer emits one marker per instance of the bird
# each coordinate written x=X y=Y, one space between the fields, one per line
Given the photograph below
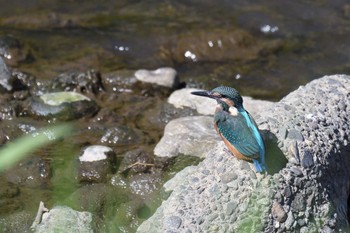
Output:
x=236 y=126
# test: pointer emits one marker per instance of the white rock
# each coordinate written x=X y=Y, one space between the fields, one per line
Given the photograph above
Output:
x=94 y=153
x=165 y=76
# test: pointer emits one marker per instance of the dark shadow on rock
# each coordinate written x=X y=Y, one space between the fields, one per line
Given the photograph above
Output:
x=336 y=180
x=274 y=158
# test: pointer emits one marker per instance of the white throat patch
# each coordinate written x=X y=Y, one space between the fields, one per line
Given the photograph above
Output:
x=233 y=111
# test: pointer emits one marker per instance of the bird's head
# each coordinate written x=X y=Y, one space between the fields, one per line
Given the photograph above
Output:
x=225 y=96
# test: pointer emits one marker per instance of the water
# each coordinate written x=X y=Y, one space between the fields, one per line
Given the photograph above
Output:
x=297 y=41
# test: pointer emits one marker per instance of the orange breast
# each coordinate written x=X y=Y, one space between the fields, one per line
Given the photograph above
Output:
x=233 y=149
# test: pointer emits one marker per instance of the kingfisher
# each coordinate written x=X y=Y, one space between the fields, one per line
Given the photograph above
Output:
x=236 y=127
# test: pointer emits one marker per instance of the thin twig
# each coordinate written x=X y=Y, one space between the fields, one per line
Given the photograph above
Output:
x=42 y=209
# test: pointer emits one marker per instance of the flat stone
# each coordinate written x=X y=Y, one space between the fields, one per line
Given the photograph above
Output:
x=188 y=135
x=163 y=76
x=94 y=153
x=62 y=106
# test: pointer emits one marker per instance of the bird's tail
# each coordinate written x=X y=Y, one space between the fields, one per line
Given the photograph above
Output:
x=260 y=167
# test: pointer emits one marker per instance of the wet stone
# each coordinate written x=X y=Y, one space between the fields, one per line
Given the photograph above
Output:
x=122 y=135
x=34 y=172
x=63 y=106
x=13 y=50
x=95 y=163
x=119 y=81
x=145 y=184
x=86 y=83
x=65 y=219
x=136 y=161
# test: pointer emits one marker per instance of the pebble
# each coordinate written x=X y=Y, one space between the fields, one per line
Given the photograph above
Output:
x=278 y=212
x=172 y=222
x=296 y=171
x=295 y=134
x=230 y=207
x=290 y=220
x=307 y=160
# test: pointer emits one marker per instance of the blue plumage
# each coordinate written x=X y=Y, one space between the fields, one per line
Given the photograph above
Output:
x=236 y=127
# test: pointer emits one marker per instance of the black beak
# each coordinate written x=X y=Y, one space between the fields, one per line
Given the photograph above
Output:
x=204 y=93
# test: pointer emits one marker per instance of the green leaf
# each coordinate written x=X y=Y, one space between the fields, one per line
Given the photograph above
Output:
x=14 y=151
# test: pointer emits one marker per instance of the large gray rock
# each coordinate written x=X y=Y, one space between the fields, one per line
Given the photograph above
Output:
x=188 y=135
x=310 y=194
x=65 y=219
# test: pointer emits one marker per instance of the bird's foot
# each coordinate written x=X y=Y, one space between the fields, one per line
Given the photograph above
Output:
x=229 y=152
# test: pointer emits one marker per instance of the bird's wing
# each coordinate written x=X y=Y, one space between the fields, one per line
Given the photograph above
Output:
x=237 y=132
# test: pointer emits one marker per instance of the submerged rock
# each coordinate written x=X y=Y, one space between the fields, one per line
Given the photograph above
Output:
x=63 y=106
x=86 y=83
x=136 y=161
x=143 y=185
x=65 y=219
x=98 y=198
x=166 y=77
x=119 y=81
x=224 y=194
x=33 y=173
x=122 y=135
x=17 y=222
x=95 y=163
x=13 y=50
